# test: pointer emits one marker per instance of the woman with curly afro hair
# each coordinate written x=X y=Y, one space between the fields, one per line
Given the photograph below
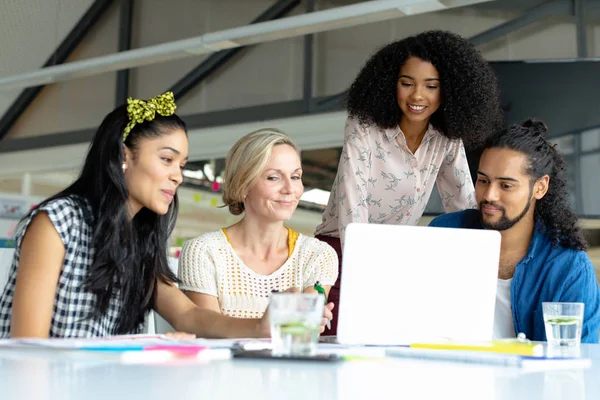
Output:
x=412 y=110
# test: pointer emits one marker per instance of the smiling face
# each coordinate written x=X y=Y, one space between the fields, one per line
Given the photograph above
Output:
x=418 y=90
x=275 y=196
x=505 y=192
x=153 y=172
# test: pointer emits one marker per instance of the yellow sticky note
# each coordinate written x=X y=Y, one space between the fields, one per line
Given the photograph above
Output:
x=196 y=197
x=214 y=202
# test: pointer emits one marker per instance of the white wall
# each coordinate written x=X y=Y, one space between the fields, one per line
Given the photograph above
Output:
x=267 y=73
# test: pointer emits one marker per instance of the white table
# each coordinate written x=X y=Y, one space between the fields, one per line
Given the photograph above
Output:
x=44 y=375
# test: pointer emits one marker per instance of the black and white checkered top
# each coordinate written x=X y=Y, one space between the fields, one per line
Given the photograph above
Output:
x=72 y=303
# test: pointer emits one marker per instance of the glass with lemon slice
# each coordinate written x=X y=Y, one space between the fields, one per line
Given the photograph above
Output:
x=563 y=322
x=295 y=323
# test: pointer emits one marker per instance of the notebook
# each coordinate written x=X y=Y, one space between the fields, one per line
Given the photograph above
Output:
x=406 y=284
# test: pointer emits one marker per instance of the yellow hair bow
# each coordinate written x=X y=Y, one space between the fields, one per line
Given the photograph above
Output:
x=140 y=110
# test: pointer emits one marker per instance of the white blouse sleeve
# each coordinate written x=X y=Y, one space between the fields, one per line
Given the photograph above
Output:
x=454 y=180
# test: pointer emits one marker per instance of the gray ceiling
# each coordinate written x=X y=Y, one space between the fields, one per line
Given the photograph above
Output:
x=30 y=30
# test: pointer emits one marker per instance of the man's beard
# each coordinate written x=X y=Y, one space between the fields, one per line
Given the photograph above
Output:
x=504 y=223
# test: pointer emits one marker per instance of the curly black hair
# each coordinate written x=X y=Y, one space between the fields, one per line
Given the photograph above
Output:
x=554 y=210
x=470 y=107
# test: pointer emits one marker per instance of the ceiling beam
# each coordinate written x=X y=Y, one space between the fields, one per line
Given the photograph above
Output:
x=283 y=28
x=318 y=131
x=217 y=60
x=125 y=28
x=548 y=9
x=580 y=11
x=59 y=56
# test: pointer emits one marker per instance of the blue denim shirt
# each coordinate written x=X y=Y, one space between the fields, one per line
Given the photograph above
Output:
x=546 y=273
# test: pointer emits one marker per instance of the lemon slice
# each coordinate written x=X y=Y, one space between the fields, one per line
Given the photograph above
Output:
x=296 y=328
x=563 y=321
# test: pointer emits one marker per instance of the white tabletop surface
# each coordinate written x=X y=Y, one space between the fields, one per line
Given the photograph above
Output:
x=47 y=374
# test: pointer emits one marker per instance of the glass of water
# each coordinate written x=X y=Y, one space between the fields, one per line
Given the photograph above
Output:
x=563 y=323
x=295 y=323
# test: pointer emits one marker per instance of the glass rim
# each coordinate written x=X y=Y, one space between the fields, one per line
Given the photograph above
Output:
x=568 y=303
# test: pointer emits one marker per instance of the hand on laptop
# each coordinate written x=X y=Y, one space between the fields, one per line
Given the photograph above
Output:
x=327 y=315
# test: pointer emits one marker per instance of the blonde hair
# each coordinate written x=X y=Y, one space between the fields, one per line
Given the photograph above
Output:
x=246 y=161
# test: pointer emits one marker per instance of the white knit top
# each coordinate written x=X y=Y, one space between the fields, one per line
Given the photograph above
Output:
x=208 y=264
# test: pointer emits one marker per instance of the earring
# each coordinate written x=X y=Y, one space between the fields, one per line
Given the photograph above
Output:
x=124 y=167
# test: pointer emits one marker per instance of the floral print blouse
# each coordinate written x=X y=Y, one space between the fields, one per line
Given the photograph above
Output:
x=379 y=180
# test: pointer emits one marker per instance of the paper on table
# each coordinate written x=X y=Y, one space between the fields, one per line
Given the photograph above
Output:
x=124 y=342
x=138 y=349
x=497 y=359
x=131 y=342
x=254 y=344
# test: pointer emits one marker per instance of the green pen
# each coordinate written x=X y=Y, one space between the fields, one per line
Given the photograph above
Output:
x=320 y=290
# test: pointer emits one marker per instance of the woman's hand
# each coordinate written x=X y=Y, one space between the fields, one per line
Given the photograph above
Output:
x=180 y=335
x=327 y=316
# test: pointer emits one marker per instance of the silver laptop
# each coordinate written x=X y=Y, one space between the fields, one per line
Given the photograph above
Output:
x=407 y=284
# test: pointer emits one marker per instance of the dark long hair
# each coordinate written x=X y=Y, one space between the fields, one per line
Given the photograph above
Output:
x=130 y=254
x=470 y=107
x=554 y=210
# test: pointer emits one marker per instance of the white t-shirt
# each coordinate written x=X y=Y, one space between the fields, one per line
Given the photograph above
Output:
x=504 y=327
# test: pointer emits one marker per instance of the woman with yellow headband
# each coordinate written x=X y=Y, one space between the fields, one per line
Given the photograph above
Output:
x=92 y=260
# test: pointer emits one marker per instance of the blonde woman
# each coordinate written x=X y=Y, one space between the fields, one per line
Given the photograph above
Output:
x=235 y=269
